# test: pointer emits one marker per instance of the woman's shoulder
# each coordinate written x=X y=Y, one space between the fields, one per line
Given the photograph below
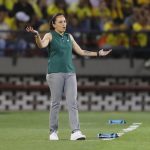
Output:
x=48 y=36
x=70 y=35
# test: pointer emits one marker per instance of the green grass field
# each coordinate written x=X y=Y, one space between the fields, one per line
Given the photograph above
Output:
x=29 y=131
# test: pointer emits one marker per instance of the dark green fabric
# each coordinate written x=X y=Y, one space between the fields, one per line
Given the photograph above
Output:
x=60 y=54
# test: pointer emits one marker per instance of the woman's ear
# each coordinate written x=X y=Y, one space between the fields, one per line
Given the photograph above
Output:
x=53 y=24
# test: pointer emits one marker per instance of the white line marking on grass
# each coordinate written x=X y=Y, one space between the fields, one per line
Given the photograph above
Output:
x=108 y=139
x=132 y=127
x=137 y=123
x=120 y=134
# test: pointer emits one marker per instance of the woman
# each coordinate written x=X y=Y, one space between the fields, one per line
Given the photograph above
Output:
x=61 y=75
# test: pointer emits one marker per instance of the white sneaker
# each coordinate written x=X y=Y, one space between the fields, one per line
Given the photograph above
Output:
x=77 y=136
x=53 y=136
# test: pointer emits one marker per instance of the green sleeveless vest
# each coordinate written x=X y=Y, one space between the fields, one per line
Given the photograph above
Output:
x=60 y=54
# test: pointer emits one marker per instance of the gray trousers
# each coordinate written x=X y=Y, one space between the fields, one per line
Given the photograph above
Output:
x=59 y=84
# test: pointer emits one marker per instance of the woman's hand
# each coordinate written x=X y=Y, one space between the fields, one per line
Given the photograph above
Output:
x=41 y=43
x=104 y=53
x=30 y=29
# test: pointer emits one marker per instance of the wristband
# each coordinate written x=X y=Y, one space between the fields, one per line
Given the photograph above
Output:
x=98 y=54
x=36 y=35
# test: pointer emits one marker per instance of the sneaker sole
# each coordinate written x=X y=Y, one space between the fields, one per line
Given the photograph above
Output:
x=82 y=138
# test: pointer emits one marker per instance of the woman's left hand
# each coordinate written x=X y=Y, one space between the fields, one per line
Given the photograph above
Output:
x=104 y=53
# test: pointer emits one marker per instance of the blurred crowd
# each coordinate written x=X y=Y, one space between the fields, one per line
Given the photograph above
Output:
x=114 y=20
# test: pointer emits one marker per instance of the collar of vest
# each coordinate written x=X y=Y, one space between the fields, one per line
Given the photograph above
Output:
x=56 y=33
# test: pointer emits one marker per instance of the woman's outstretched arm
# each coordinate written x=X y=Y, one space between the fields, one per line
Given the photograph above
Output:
x=41 y=43
x=82 y=52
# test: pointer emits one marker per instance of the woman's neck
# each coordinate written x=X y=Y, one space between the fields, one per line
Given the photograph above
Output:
x=61 y=33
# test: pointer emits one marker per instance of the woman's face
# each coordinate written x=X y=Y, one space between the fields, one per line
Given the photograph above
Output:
x=60 y=24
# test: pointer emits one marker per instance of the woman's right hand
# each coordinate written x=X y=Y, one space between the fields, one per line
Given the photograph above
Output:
x=30 y=29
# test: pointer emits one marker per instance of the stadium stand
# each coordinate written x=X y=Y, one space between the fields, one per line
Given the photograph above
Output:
x=22 y=92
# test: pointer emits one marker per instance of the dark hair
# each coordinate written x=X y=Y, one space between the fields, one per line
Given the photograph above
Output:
x=53 y=19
